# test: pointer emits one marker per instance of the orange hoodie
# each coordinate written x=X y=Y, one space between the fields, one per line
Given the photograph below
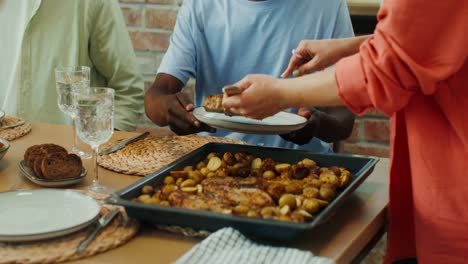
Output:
x=415 y=70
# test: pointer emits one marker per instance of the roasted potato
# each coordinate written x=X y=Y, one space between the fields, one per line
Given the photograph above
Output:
x=327 y=193
x=214 y=163
x=269 y=212
x=269 y=175
x=144 y=198
x=179 y=174
x=211 y=155
x=287 y=200
x=299 y=171
x=229 y=158
x=204 y=171
x=286 y=175
x=188 y=168
x=195 y=176
x=309 y=163
x=311 y=192
x=282 y=167
x=314 y=172
x=293 y=187
x=311 y=206
x=188 y=183
x=330 y=178
x=335 y=170
x=167 y=189
x=241 y=157
x=268 y=164
x=256 y=164
x=221 y=173
x=201 y=165
x=169 y=180
x=275 y=190
x=241 y=209
x=345 y=178
x=253 y=213
x=193 y=189
x=147 y=189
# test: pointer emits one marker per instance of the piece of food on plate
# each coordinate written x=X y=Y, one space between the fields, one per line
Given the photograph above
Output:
x=58 y=166
x=37 y=151
x=41 y=158
x=214 y=103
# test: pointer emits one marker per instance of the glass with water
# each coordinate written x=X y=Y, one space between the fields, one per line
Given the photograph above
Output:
x=94 y=108
x=67 y=80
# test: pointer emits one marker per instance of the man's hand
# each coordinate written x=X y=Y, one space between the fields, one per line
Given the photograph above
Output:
x=179 y=115
x=165 y=105
x=305 y=134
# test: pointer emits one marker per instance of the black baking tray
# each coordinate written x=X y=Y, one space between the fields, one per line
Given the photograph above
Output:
x=359 y=166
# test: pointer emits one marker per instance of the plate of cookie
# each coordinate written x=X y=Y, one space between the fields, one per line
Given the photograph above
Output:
x=50 y=165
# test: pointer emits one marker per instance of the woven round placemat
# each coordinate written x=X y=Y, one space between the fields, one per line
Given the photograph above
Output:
x=153 y=153
x=61 y=249
x=15 y=132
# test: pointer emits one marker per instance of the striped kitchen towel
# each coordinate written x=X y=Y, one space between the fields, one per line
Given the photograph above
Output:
x=229 y=246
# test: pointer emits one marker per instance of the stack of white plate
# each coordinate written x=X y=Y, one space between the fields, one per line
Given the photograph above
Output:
x=42 y=214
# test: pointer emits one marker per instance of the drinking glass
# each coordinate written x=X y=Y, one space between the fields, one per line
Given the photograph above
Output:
x=94 y=123
x=67 y=79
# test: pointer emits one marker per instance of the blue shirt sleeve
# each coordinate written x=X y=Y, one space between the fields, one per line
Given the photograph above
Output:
x=180 y=58
x=343 y=27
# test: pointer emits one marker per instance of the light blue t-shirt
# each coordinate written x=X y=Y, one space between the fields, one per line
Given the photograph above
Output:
x=218 y=42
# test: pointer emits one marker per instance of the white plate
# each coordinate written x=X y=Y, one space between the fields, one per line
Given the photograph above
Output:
x=30 y=175
x=282 y=122
x=46 y=213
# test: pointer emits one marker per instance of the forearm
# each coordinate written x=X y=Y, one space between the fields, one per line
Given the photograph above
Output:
x=318 y=89
x=351 y=46
x=164 y=85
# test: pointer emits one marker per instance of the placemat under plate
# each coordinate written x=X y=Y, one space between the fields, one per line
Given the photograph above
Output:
x=153 y=153
x=61 y=249
x=15 y=132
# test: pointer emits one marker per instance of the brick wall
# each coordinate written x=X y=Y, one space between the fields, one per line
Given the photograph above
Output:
x=150 y=23
x=370 y=135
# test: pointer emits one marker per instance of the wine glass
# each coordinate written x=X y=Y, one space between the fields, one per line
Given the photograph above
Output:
x=67 y=79
x=94 y=123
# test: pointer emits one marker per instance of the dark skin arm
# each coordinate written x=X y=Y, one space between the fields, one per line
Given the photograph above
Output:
x=328 y=124
x=165 y=104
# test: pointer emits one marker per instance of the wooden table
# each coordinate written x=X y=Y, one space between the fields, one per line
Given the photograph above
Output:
x=360 y=218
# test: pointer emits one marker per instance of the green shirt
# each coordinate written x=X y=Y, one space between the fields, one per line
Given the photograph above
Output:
x=83 y=32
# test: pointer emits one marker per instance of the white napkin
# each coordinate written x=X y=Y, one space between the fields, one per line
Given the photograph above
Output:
x=229 y=246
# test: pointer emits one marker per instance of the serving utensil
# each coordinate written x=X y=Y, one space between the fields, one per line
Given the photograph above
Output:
x=102 y=222
x=123 y=144
x=13 y=125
